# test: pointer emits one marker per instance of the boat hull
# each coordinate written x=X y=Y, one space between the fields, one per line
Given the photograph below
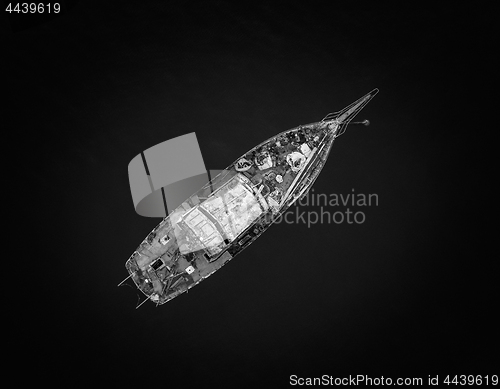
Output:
x=230 y=212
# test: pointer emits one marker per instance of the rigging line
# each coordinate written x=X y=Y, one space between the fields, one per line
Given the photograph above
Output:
x=146 y=299
x=131 y=274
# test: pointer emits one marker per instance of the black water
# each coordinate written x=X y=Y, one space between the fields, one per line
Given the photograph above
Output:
x=405 y=293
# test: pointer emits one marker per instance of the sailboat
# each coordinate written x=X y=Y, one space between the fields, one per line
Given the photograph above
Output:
x=236 y=207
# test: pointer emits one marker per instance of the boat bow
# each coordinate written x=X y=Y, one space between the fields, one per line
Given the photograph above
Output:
x=339 y=120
